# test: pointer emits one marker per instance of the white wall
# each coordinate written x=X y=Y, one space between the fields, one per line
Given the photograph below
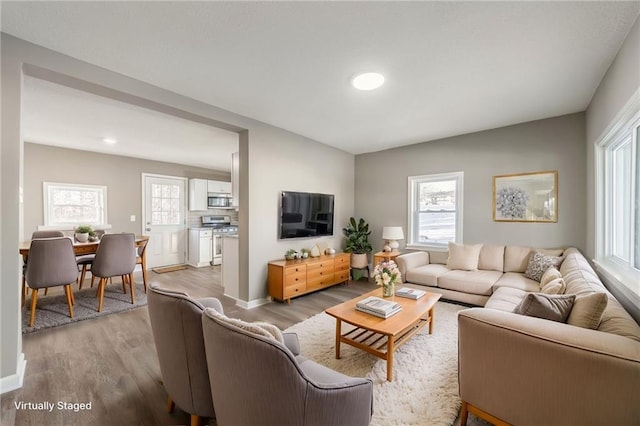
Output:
x=271 y=159
x=552 y=144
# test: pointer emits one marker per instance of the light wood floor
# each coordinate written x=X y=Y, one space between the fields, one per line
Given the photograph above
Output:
x=111 y=360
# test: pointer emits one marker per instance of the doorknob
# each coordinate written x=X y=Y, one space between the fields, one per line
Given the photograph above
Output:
x=147 y=229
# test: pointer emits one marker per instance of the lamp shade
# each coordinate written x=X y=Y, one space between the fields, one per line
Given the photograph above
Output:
x=392 y=233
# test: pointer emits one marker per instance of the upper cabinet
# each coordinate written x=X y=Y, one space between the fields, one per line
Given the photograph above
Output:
x=198 y=194
x=235 y=179
x=218 y=187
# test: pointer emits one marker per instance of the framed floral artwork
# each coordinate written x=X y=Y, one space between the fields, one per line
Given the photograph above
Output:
x=526 y=197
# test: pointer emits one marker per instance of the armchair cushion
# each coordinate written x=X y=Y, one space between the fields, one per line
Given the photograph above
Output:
x=263 y=329
x=292 y=343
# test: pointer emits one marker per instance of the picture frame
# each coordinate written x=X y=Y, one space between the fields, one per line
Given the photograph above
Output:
x=526 y=197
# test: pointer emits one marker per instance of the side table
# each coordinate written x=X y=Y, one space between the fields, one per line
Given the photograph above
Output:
x=384 y=255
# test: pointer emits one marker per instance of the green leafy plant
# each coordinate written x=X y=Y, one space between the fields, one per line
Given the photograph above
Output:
x=84 y=229
x=290 y=254
x=357 y=234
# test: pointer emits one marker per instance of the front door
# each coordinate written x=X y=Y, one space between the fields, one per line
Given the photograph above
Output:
x=164 y=219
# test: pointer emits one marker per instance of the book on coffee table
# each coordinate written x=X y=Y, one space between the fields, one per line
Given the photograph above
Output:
x=378 y=307
x=410 y=293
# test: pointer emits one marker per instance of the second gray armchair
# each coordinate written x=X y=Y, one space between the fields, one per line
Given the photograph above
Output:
x=257 y=380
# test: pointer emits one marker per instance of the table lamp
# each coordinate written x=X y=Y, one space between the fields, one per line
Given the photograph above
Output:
x=392 y=234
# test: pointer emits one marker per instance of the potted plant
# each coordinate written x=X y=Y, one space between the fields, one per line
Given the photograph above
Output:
x=358 y=244
x=82 y=233
x=305 y=253
x=290 y=254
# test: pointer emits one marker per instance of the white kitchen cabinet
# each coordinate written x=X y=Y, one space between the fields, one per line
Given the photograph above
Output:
x=218 y=187
x=235 y=179
x=198 y=194
x=200 y=247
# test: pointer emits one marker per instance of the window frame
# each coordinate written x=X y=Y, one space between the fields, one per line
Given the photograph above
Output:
x=49 y=223
x=624 y=129
x=413 y=212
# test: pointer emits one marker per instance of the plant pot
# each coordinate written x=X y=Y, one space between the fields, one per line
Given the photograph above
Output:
x=359 y=260
x=82 y=238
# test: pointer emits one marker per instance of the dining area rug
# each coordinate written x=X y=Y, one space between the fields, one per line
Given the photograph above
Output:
x=52 y=311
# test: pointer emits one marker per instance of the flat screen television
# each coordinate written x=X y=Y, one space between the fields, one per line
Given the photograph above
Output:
x=304 y=215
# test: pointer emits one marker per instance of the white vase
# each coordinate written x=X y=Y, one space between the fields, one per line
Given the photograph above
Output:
x=82 y=238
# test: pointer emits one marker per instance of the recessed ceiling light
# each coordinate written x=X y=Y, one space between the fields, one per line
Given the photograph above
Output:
x=109 y=141
x=368 y=81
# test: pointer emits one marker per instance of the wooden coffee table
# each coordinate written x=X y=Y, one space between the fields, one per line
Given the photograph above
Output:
x=379 y=336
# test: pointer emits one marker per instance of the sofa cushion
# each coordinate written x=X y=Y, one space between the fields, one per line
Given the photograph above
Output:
x=463 y=256
x=587 y=310
x=516 y=280
x=505 y=299
x=550 y=275
x=539 y=263
x=549 y=307
x=556 y=286
x=473 y=282
x=516 y=258
x=491 y=258
x=426 y=274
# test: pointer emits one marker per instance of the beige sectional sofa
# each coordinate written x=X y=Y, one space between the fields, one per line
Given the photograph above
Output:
x=525 y=370
x=497 y=266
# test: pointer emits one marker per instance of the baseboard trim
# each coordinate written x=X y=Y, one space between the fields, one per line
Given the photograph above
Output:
x=14 y=381
x=250 y=304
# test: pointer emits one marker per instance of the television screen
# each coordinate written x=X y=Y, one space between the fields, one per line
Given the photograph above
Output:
x=303 y=214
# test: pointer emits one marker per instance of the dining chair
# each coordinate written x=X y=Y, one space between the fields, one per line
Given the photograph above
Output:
x=51 y=263
x=141 y=260
x=85 y=262
x=115 y=257
x=36 y=234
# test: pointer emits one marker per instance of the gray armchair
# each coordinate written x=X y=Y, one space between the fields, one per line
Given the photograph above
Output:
x=177 y=331
x=259 y=381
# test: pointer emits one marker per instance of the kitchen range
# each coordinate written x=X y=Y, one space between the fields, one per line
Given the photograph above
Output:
x=205 y=242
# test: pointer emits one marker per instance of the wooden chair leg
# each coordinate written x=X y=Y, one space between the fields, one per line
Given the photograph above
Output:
x=69 y=293
x=101 y=285
x=133 y=301
x=83 y=275
x=92 y=278
x=144 y=273
x=195 y=420
x=34 y=300
x=170 y=405
x=46 y=291
x=124 y=281
x=464 y=413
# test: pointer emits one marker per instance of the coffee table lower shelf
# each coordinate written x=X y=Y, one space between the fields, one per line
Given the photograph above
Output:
x=380 y=344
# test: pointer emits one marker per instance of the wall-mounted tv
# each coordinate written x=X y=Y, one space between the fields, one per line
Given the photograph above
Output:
x=304 y=215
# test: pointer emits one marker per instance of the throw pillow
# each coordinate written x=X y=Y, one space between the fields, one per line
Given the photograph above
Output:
x=262 y=329
x=550 y=307
x=588 y=309
x=464 y=257
x=556 y=286
x=539 y=263
x=550 y=275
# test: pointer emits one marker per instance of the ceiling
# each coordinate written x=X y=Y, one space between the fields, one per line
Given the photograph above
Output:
x=61 y=116
x=451 y=67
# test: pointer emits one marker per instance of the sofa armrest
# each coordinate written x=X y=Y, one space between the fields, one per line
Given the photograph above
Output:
x=527 y=370
x=408 y=261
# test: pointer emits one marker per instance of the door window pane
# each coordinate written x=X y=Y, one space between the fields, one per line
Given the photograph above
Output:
x=165 y=204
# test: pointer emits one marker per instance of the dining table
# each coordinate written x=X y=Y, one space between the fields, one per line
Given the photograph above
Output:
x=91 y=247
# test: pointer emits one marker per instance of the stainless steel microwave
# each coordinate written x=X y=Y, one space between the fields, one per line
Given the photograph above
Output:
x=219 y=201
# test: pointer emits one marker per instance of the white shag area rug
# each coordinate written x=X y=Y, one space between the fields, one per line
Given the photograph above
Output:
x=424 y=390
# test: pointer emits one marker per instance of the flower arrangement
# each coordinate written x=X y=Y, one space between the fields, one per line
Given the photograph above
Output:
x=386 y=274
x=511 y=202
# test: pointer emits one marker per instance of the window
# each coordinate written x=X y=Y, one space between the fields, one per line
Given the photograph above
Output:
x=435 y=210
x=67 y=205
x=618 y=199
x=165 y=204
